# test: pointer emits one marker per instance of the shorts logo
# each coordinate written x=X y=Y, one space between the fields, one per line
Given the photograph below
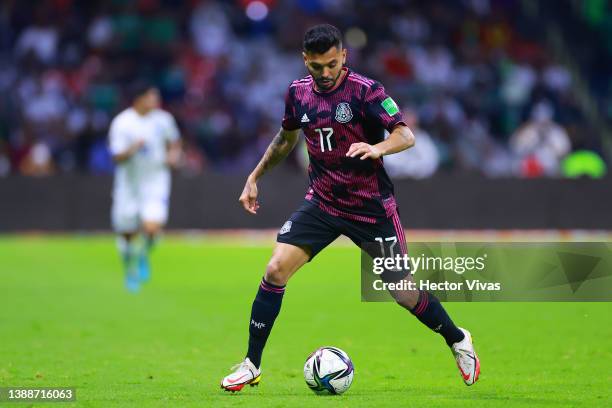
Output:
x=285 y=228
x=344 y=113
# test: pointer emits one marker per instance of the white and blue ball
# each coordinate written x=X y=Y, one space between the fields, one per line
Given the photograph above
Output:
x=328 y=370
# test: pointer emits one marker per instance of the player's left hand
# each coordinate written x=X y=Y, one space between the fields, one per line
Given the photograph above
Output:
x=364 y=150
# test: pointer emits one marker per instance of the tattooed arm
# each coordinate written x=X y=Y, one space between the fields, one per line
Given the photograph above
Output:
x=281 y=146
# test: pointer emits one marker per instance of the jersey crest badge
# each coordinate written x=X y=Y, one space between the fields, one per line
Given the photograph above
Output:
x=344 y=113
x=285 y=228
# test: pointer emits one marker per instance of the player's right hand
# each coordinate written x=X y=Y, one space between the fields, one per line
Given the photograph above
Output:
x=248 y=198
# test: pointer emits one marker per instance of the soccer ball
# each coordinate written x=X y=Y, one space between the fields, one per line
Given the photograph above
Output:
x=328 y=370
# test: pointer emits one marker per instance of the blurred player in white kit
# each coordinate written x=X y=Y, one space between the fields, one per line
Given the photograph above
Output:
x=145 y=145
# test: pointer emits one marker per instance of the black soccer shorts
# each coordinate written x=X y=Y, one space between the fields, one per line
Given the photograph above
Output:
x=311 y=227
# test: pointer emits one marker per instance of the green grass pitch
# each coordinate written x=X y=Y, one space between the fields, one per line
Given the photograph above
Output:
x=66 y=320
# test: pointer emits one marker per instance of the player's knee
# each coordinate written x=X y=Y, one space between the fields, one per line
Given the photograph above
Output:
x=128 y=236
x=151 y=228
x=276 y=274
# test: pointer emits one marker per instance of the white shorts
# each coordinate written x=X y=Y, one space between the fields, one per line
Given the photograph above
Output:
x=129 y=210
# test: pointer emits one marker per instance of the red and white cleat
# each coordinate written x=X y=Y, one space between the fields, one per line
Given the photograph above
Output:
x=467 y=360
x=244 y=373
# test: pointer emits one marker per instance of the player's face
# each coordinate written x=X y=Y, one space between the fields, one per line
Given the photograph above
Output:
x=150 y=100
x=325 y=68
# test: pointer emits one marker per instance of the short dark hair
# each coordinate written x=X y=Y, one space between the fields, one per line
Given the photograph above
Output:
x=138 y=88
x=322 y=37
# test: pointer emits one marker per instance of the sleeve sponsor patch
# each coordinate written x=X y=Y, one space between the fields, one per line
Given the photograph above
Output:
x=390 y=106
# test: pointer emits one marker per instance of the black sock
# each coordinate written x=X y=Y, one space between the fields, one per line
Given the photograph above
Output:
x=431 y=313
x=266 y=307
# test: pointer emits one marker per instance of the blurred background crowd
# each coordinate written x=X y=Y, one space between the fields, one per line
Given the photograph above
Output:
x=504 y=88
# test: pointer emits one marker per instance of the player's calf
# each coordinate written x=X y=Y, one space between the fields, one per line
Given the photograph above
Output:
x=265 y=309
x=129 y=254
x=150 y=231
x=432 y=314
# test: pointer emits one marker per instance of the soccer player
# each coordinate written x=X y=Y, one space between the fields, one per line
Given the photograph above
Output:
x=145 y=144
x=343 y=116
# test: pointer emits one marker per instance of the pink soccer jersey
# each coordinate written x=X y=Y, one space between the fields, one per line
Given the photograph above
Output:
x=356 y=110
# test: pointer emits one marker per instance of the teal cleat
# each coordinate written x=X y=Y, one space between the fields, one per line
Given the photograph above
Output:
x=132 y=284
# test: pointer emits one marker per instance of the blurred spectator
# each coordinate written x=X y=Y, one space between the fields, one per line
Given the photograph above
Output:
x=470 y=69
x=557 y=78
x=411 y=27
x=519 y=80
x=478 y=151
x=100 y=32
x=433 y=65
x=39 y=40
x=540 y=144
x=418 y=162
x=210 y=29
x=37 y=162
